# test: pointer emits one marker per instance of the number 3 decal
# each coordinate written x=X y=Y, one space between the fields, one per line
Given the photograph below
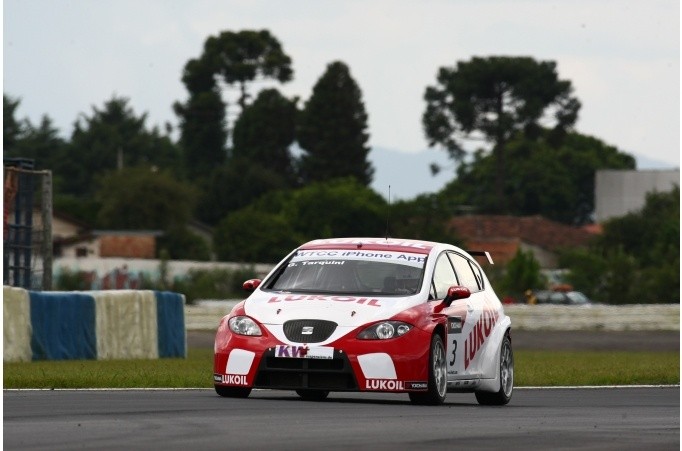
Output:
x=454 y=351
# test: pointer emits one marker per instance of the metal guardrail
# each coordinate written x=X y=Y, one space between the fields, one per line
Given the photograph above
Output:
x=636 y=317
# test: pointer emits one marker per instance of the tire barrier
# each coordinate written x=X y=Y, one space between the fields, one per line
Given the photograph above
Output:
x=103 y=325
x=16 y=325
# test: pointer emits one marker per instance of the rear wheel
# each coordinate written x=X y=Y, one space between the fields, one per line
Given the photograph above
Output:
x=504 y=394
x=232 y=392
x=313 y=395
x=438 y=384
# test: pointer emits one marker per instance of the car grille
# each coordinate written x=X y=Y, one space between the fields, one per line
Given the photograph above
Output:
x=319 y=330
x=297 y=373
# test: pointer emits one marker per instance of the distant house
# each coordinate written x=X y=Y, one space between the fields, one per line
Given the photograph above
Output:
x=80 y=245
x=127 y=243
x=503 y=236
x=69 y=234
x=109 y=243
x=64 y=226
x=74 y=238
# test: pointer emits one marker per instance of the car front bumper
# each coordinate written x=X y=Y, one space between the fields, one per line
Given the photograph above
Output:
x=348 y=364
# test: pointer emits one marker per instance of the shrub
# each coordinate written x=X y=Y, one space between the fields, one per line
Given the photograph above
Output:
x=213 y=283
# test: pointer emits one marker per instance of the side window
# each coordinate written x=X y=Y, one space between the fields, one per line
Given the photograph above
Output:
x=443 y=276
x=465 y=272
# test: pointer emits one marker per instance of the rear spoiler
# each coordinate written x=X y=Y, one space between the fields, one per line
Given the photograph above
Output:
x=485 y=254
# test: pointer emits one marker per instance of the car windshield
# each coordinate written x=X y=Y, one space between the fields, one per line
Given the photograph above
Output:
x=352 y=272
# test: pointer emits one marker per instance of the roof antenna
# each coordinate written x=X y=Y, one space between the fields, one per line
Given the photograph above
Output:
x=388 y=211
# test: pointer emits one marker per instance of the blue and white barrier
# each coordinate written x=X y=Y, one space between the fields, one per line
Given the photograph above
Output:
x=104 y=325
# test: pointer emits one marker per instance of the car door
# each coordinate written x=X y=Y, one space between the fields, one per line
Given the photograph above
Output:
x=478 y=324
x=460 y=314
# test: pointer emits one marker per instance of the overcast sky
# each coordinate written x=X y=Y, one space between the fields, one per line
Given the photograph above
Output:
x=62 y=57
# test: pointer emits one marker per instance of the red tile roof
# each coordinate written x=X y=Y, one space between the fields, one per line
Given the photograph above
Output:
x=500 y=251
x=593 y=229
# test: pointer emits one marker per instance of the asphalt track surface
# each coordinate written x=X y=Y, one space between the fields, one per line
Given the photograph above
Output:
x=586 y=418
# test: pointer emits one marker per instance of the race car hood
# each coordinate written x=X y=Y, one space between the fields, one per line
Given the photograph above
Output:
x=347 y=311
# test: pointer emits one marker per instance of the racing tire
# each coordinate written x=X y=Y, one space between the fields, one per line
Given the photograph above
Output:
x=504 y=394
x=313 y=395
x=232 y=392
x=438 y=383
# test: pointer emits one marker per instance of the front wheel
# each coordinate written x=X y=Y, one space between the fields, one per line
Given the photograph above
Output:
x=232 y=392
x=504 y=394
x=438 y=383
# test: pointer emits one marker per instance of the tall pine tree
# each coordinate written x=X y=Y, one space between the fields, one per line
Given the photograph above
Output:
x=332 y=129
x=228 y=59
x=265 y=131
x=496 y=98
x=202 y=121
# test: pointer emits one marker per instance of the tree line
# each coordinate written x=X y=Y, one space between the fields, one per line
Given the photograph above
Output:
x=285 y=170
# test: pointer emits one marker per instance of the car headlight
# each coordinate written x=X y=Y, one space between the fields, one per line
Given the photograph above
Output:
x=243 y=325
x=385 y=330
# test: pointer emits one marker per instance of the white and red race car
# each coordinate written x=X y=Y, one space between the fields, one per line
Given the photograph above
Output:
x=369 y=314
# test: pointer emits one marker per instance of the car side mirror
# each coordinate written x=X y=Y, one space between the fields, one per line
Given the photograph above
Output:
x=251 y=284
x=455 y=293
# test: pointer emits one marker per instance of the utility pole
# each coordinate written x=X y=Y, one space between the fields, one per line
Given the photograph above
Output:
x=46 y=213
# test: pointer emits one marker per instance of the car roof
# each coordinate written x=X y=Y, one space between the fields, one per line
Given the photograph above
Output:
x=376 y=244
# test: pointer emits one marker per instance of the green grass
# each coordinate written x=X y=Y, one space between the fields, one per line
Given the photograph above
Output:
x=552 y=368
x=194 y=371
x=532 y=368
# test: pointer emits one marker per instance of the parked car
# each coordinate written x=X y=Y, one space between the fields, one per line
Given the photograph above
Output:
x=369 y=315
x=562 y=297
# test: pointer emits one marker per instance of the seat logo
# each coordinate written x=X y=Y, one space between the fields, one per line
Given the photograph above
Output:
x=307 y=330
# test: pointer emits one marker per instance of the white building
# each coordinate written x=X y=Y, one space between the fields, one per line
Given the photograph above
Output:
x=619 y=192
